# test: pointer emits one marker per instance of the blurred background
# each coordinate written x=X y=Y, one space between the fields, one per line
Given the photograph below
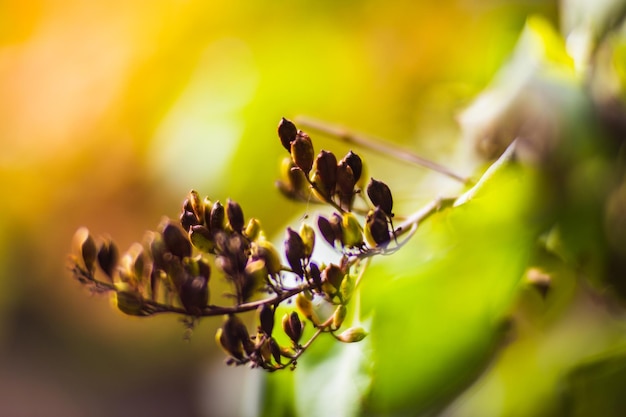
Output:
x=110 y=112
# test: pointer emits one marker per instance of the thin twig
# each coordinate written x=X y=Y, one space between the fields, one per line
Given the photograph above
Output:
x=378 y=145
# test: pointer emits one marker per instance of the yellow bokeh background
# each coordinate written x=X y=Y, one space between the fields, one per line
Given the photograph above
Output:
x=110 y=112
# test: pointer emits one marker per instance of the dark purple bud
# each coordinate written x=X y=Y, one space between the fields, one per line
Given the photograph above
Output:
x=108 y=256
x=292 y=326
x=194 y=294
x=326 y=170
x=234 y=215
x=380 y=196
x=217 y=218
x=294 y=251
x=266 y=318
x=287 y=132
x=377 y=226
x=176 y=240
x=302 y=152
x=333 y=275
x=345 y=183
x=315 y=275
x=354 y=161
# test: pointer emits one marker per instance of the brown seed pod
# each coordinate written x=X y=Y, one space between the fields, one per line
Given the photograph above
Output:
x=234 y=213
x=302 y=152
x=287 y=132
x=376 y=227
x=85 y=246
x=380 y=196
x=292 y=326
x=294 y=251
x=266 y=319
x=326 y=172
x=216 y=223
x=194 y=294
x=176 y=241
x=354 y=162
x=108 y=256
x=345 y=184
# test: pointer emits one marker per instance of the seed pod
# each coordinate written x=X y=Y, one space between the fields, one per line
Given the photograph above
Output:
x=315 y=274
x=266 y=318
x=339 y=316
x=128 y=300
x=108 y=256
x=275 y=349
x=352 y=232
x=176 y=240
x=232 y=336
x=204 y=268
x=302 y=152
x=253 y=229
x=154 y=241
x=292 y=326
x=304 y=305
x=294 y=251
x=380 y=196
x=326 y=229
x=326 y=172
x=256 y=277
x=308 y=239
x=376 y=228
x=194 y=295
x=345 y=183
x=287 y=132
x=354 y=162
x=333 y=275
x=235 y=215
x=353 y=334
x=207 y=207
x=216 y=223
x=196 y=205
x=188 y=219
x=201 y=238
x=347 y=287
x=85 y=246
x=293 y=181
x=264 y=249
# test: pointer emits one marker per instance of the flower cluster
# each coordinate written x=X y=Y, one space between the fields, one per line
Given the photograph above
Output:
x=171 y=270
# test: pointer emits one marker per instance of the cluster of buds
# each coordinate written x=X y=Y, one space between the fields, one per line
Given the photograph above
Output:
x=171 y=270
x=337 y=184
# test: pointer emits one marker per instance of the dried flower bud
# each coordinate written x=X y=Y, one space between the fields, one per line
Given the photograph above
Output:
x=339 y=316
x=352 y=232
x=353 y=334
x=263 y=249
x=287 y=132
x=304 y=305
x=256 y=276
x=293 y=181
x=85 y=246
x=233 y=337
x=325 y=174
x=380 y=195
x=332 y=275
x=128 y=300
x=315 y=275
x=196 y=205
x=345 y=180
x=308 y=239
x=207 y=205
x=376 y=228
x=330 y=229
x=354 y=162
x=201 y=238
x=292 y=326
x=235 y=215
x=253 y=229
x=275 y=349
x=266 y=318
x=194 y=294
x=302 y=152
x=216 y=223
x=294 y=251
x=108 y=256
x=188 y=219
x=176 y=240
x=154 y=241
